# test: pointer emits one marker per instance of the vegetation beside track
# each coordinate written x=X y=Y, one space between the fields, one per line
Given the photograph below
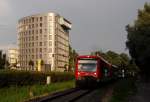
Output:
x=123 y=90
x=24 y=78
x=20 y=94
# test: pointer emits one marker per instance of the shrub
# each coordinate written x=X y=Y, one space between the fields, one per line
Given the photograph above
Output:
x=20 y=78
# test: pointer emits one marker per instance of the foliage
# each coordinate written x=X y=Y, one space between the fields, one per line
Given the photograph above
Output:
x=120 y=60
x=72 y=57
x=20 y=94
x=138 y=39
x=3 y=61
x=123 y=89
x=20 y=78
x=31 y=63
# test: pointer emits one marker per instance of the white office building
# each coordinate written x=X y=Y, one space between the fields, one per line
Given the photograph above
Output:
x=43 y=41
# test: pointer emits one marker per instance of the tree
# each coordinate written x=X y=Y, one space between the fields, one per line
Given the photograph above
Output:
x=31 y=63
x=72 y=57
x=121 y=60
x=3 y=60
x=125 y=60
x=100 y=53
x=138 y=40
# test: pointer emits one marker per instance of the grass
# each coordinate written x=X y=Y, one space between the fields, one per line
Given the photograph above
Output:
x=19 y=94
x=123 y=89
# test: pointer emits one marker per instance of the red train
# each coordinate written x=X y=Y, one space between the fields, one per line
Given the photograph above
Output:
x=93 y=69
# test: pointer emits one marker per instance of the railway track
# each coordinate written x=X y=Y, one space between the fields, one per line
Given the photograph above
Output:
x=70 y=95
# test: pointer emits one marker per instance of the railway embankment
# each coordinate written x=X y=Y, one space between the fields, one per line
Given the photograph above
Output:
x=23 y=93
x=17 y=86
x=121 y=91
x=143 y=92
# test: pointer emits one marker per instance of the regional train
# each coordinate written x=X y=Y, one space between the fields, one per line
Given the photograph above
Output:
x=93 y=69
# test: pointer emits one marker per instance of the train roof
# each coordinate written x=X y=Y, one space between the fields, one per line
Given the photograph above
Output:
x=96 y=57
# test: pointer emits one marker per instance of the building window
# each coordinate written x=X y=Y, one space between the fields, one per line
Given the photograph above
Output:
x=45 y=36
x=45 y=49
x=40 y=43
x=40 y=18
x=32 y=37
x=50 y=37
x=50 y=50
x=36 y=50
x=29 y=32
x=41 y=36
x=40 y=31
x=45 y=30
x=26 y=20
x=32 y=19
x=50 y=43
x=32 y=44
x=32 y=50
x=50 y=18
x=29 y=20
x=41 y=50
x=45 y=18
x=32 y=25
x=40 y=24
x=29 y=26
x=40 y=56
x=36 y=37
x=36 y=31
x=32 y=31
x=32 y=56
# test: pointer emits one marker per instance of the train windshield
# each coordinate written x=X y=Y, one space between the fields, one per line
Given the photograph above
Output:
x=87 y=65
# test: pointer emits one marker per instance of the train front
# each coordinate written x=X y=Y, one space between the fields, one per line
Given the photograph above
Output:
x=87 y=71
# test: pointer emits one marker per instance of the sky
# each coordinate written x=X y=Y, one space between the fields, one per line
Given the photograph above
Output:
x=96 y=24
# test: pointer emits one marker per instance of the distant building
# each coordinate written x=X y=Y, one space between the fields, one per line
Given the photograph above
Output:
x=13 y=58
x=43 y=41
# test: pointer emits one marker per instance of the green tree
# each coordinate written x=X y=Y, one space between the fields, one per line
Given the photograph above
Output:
x=72 y=57
x=100 y=53
x=113 y=58
x=31 y=64
x=3 y=60
x=121 y=60
x=138 y=39
x=125 y=60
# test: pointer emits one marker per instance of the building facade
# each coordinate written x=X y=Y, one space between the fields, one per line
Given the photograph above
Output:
x=43 y=41
x=13 y=58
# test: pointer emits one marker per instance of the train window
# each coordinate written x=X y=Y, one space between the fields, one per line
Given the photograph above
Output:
x=105 y=72
x=87 y=65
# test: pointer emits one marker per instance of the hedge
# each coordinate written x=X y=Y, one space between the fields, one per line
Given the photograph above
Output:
x=20 y=78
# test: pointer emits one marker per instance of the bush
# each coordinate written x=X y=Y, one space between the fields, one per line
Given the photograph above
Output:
x=20 y=78
x=123 y=89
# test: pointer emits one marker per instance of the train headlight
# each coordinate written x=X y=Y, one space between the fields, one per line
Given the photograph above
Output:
x=78 y=73
x=95 y=73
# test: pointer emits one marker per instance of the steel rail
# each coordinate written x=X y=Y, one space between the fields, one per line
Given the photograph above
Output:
x=54 y=95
